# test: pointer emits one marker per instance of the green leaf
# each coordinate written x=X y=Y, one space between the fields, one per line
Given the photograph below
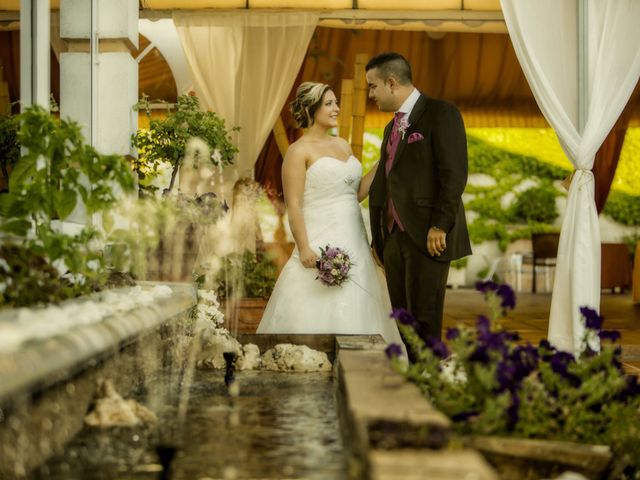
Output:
x=22 y=170
x=18 y=226
x=64 y=202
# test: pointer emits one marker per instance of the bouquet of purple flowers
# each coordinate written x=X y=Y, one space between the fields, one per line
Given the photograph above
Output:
x=333 y=266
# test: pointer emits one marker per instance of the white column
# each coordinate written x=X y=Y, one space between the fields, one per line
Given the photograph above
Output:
x=99 y=80
x=34 y=53
x=99 y=76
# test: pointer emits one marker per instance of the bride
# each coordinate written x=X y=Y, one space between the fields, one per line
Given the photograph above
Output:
x=323 y=185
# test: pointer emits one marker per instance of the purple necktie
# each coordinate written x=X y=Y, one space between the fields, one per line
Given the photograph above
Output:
x=392 y=146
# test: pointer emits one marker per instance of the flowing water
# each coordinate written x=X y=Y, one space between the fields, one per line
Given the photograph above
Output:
x=281 y=425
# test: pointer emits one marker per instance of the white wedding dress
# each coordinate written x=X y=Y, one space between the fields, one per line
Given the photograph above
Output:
x=302 y=304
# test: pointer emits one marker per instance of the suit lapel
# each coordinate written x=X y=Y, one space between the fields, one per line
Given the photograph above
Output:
x=416 y=113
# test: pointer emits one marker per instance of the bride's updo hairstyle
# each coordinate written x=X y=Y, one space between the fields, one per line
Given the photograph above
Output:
x=308 y=99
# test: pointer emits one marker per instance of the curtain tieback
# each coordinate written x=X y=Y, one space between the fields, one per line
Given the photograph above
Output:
x=584 y=176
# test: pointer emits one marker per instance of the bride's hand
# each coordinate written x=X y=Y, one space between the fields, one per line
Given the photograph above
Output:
x=308 y=258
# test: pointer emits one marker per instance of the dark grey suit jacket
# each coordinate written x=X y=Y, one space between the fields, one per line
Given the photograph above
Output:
x=426 y=181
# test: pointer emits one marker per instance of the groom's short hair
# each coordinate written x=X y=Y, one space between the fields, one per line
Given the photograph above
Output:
x=391 y=64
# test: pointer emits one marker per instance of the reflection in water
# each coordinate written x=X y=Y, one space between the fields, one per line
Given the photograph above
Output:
x=281 y=426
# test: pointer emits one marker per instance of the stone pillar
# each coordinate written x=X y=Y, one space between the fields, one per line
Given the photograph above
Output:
x=99 y=81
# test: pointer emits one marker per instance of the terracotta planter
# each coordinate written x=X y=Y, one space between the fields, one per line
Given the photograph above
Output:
x=244 y=314
x=532 y=459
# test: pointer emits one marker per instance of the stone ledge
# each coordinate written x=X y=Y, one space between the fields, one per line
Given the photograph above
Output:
x=429 y=465
x=41 y=363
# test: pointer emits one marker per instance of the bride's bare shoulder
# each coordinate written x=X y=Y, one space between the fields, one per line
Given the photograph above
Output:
x=297 y=152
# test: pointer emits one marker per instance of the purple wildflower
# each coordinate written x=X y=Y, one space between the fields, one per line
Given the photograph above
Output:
x=480 y=355
x=611 y=335
x=506 y=375
x=592 y=320
x=452 y=333
x=403 y=316
x=482 y=325
x=508 y=296
x=437 y=347
x=393 y=350
x=488 y=286
x=560 y=362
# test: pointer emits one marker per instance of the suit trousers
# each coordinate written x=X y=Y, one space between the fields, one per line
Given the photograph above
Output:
x=416 y=282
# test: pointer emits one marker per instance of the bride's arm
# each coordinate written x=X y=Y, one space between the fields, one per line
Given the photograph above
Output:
x=294 y=173
x=365 y=183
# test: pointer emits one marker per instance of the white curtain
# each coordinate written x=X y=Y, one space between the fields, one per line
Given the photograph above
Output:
x=243 y=65
x=544 y=34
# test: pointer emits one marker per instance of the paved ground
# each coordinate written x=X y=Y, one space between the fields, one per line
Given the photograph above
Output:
x=531 y=317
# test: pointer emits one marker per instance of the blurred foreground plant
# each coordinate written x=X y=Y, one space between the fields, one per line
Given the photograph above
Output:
x=56 y=173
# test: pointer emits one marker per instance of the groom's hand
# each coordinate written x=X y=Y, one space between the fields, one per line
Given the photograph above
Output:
x=436 y=241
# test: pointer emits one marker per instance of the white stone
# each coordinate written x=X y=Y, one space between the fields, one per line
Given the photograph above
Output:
x=111 y=410
x=507 y=199
x=295 y=358
x=526 y=184
x=250 y=358
x=481 y=180
x=213 y=343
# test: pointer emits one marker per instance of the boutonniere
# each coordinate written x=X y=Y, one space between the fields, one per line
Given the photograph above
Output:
x=403 y=125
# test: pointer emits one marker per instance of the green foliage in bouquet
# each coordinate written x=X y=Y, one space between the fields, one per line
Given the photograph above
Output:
x=166 y=139
x=247 y=275
x=489 y=383
x=56 y=172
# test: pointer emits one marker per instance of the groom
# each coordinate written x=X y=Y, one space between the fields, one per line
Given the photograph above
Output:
x=417 y=218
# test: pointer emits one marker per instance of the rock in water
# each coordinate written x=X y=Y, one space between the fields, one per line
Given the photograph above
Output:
x=295 y=358
x=111 y=410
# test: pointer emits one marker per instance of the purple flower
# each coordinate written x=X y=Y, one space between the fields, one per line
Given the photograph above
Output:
x=480 y=355
x=403 y=316
x=437 y=347
x=482 y=325
x=393 y=350
x=506 y=376
x=592 y=320
x=331 y=252
x=611 y=335
x=452 y=333
x=508 y=296
x=560 y=362
x=488 y=286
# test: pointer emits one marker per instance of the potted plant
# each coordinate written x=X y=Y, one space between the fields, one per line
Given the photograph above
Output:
x=166 y=139
x=245 y=283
